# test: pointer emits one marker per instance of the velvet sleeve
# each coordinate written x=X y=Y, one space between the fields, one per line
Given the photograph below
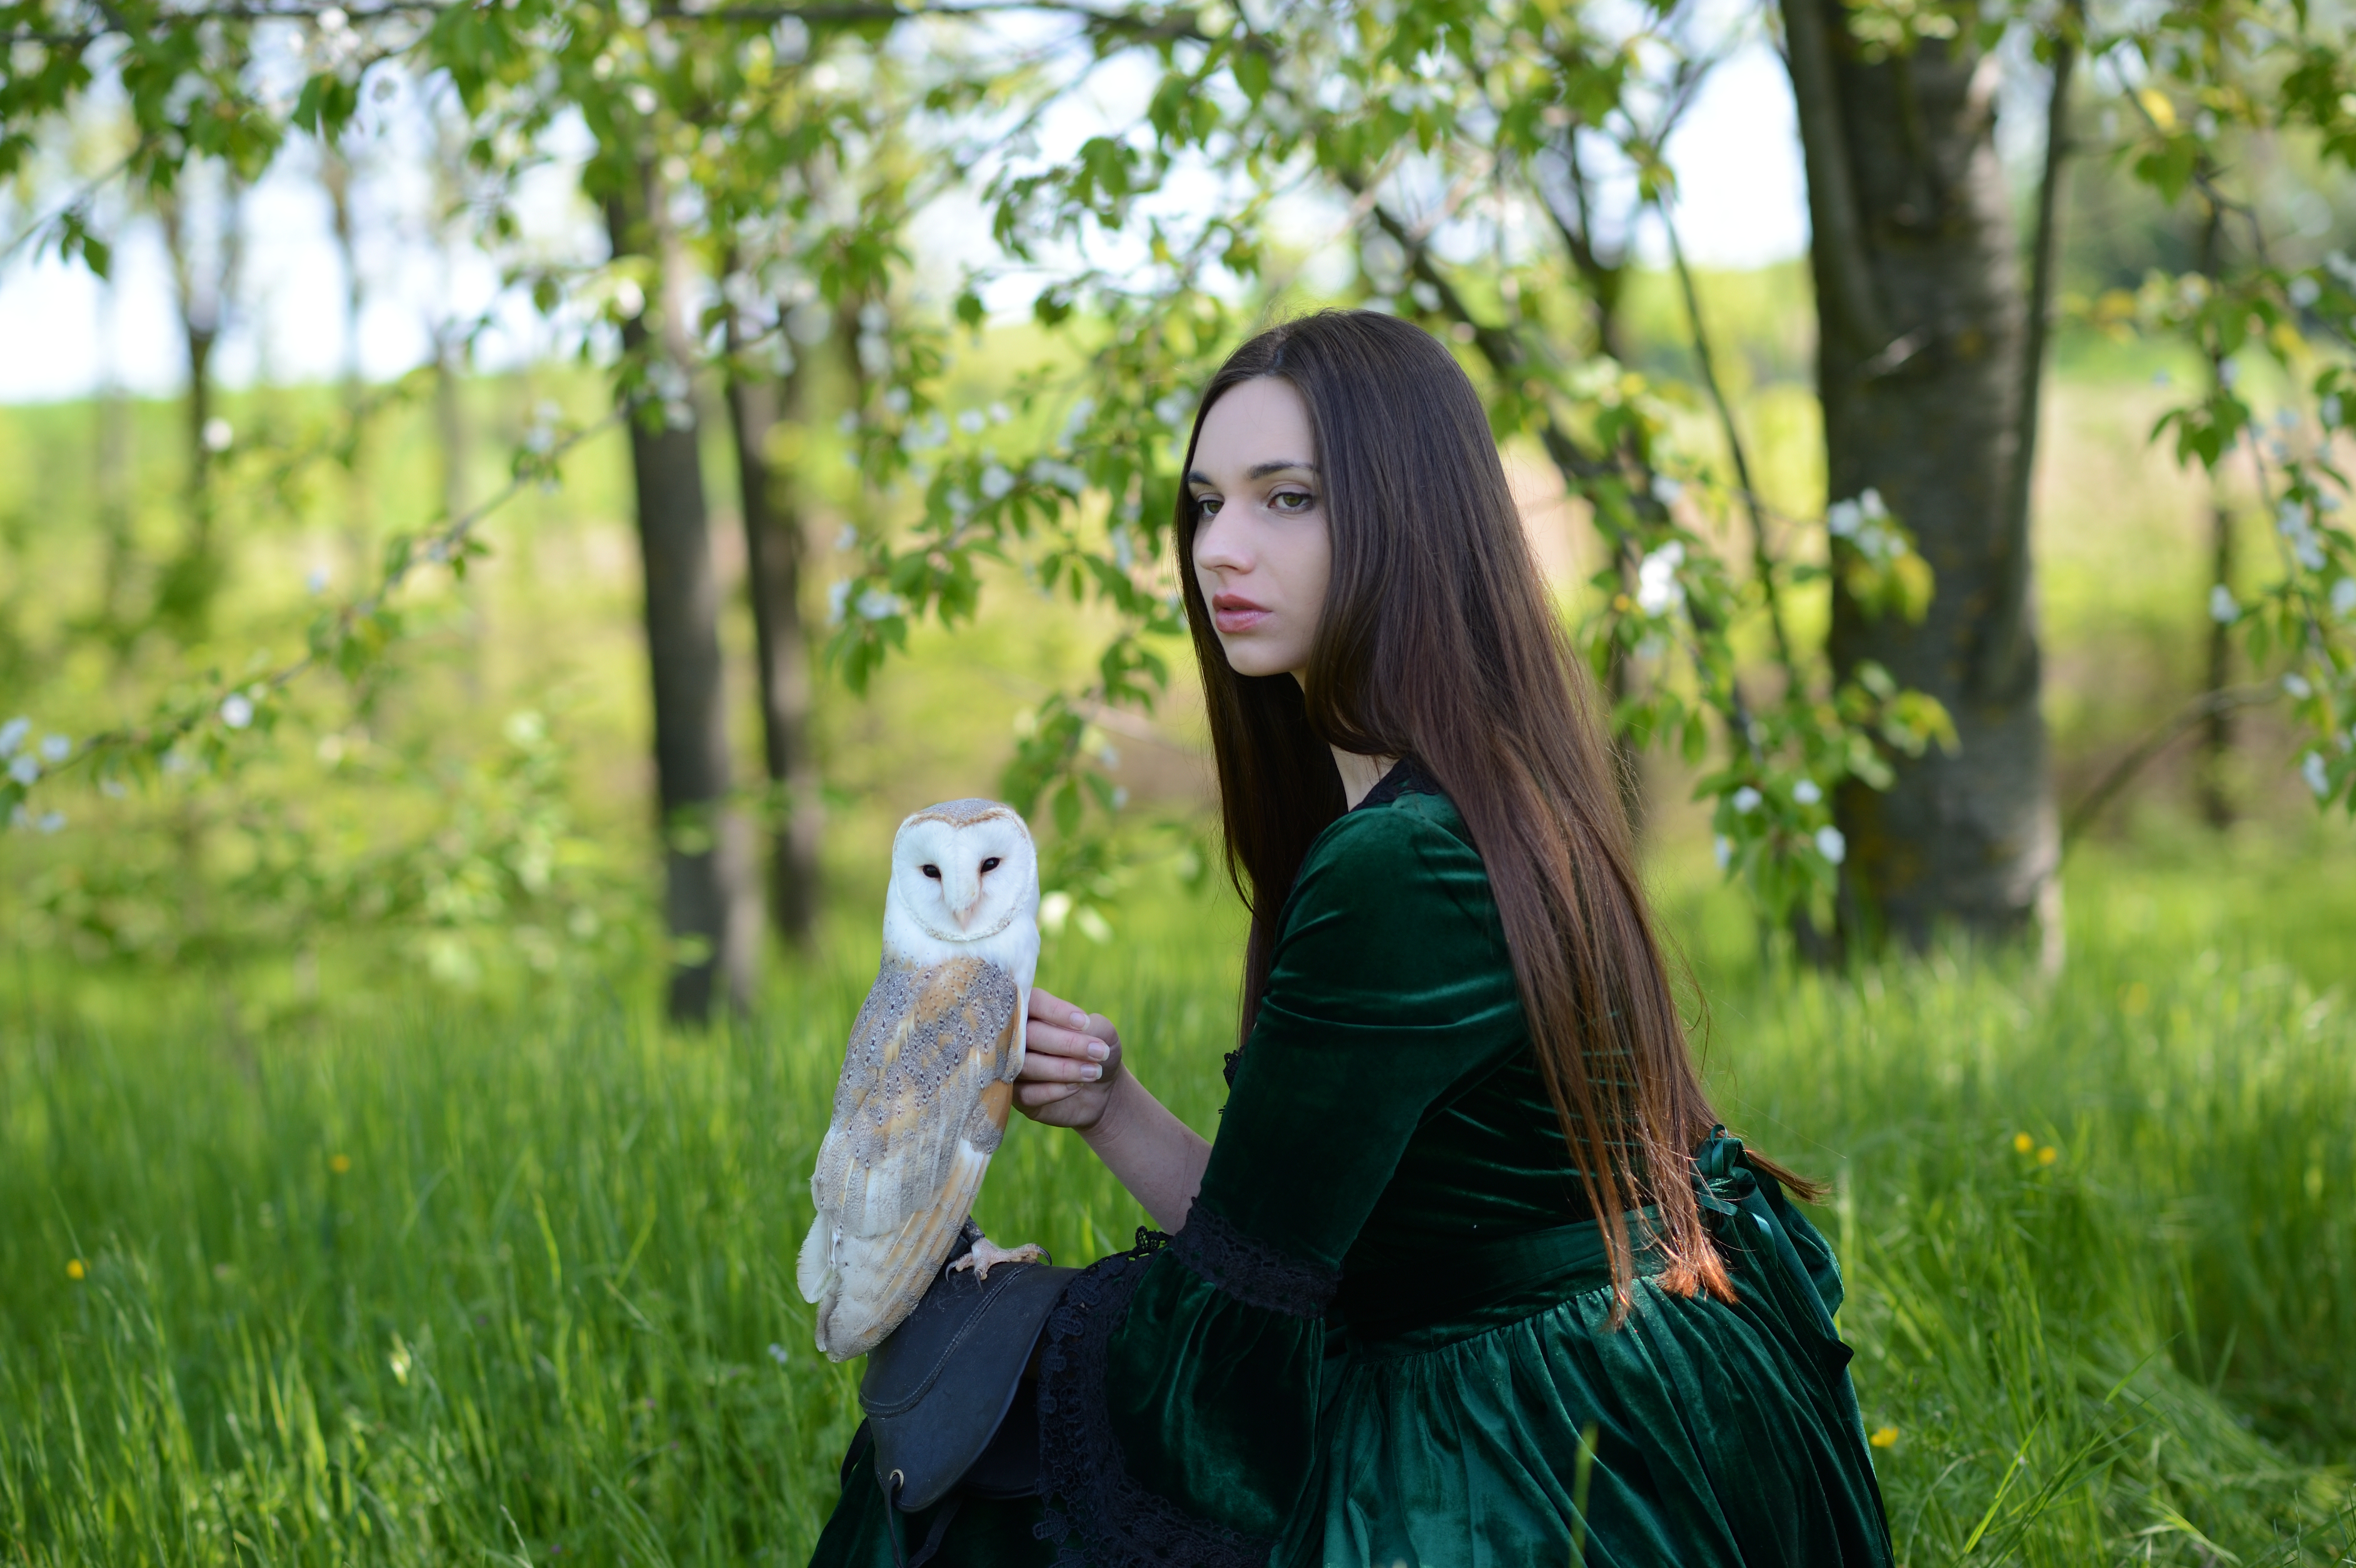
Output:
x=1181 y=1384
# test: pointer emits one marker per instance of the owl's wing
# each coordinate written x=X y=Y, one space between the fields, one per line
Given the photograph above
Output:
x=921 y=1104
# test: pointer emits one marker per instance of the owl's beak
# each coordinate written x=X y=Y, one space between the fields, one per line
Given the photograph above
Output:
x=963 y=909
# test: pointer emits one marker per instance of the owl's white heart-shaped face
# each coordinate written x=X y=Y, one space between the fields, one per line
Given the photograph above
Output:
x=965 y=870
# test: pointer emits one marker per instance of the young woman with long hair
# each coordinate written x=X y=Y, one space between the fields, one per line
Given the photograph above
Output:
x=1471 y=1271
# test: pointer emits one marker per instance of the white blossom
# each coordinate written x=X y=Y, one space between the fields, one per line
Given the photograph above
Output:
x=50 y=821
x=629 y=300
x=2311 y=768
x=1806 y=792
x=12 y=735
x=877 y=603
x=2328 y=410
x=2222 y=607
x=1842 y=519
x=2296 y=685
x=1831 y=845
x=1657 y=590
x=237 y=710
x=643 y=99
x=2228 y=373
x=838 y=594
x=896 y=400
x=25 y=769
x=970 y=421
x=218 y=434
x=2298 y=532
x=114 y=789
x=1667 y=490
x=1745 y=800
x=1174 y=409
x=996 y=482
x=1723 y=847
x=2343 y=597
x=2304 y=292
x=999 y=413
x=56 y=748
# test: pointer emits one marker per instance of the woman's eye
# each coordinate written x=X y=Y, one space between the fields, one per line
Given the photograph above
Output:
x=933 y=871
x=1206 y=506
x=1292 y=501
x=991 y=864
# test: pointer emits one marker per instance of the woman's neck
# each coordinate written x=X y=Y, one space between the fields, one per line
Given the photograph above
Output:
x=1360 y=775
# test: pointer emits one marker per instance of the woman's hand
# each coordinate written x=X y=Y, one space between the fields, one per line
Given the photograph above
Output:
x=1071 y=1059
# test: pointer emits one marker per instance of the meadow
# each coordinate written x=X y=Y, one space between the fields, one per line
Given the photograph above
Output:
x=352 y=1213
x=454 y=1281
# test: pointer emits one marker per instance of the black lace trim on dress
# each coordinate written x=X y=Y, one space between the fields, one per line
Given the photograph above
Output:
x=1096 y=1511
x=1405 y=778
x=1253 y=1271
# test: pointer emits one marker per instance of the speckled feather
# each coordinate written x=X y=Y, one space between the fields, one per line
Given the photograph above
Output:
x=921 y=1105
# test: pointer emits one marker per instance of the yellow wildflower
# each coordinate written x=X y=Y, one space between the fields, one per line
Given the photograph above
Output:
x=2022 y=1143
x=1887 y=1437
x=2048 y=1155
x=341 y=1164
x=74 y=1269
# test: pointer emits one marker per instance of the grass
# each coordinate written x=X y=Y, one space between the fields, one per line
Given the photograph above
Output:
x=437 y=1282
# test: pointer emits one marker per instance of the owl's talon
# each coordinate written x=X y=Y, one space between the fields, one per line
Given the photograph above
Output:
x=987 y=1255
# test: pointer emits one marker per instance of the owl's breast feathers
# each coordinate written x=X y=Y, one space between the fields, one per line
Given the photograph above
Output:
x=921 y=1104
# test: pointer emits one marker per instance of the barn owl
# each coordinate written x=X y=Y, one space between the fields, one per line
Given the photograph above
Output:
x=929 y=1076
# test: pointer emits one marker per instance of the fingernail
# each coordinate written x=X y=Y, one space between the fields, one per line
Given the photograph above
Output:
x=1079 y=1020
x=1098 y=1050
x=1091 y=1073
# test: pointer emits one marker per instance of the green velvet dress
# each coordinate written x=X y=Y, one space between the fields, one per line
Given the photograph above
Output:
x=1386 y=1327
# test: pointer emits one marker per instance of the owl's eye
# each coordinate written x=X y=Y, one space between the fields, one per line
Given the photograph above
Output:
x=991 y=864
x=933 y=871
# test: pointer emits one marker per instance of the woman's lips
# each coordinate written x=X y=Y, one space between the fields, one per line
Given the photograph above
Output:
x=1233 y=612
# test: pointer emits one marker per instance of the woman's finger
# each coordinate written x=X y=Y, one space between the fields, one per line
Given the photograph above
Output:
x=1054 y=1010
x=1041 y=1067
x=1054 y=1041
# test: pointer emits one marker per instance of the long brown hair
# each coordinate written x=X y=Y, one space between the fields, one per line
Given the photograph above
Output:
x=1436 y=642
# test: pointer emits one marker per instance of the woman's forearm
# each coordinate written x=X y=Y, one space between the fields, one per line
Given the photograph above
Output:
x=1153 y=1154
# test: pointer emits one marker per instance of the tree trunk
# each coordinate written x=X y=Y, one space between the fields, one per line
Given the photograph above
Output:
x=2214 y=785
x=774 y=550
x=185 y=590
x=335 y=176
x=703 y=841
x=1918 y=365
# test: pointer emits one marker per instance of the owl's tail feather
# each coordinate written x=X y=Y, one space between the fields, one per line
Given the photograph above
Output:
x=814 y=1270
x=881 y=1278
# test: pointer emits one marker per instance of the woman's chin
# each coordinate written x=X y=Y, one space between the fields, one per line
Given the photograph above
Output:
x=1245 y=658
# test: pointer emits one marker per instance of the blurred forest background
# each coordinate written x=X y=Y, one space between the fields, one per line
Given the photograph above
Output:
x=448 y=807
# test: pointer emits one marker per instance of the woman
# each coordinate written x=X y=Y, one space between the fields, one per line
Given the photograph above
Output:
x=1386 y=1326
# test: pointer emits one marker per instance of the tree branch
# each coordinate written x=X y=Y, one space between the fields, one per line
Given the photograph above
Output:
x=2198 y=710
x=2003 y=639
x=1762 y=562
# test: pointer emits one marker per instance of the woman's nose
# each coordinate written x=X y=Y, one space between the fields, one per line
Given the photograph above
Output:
x=1218 y=546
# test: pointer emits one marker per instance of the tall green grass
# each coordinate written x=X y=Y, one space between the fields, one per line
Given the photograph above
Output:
x=418 y=1281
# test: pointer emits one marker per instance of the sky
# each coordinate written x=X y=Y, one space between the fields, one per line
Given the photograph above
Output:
x=1742 y=203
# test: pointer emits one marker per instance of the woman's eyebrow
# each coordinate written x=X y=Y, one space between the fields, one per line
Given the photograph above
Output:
x=1258 y=470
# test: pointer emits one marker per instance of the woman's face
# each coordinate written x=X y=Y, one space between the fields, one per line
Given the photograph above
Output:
x=1262 y=552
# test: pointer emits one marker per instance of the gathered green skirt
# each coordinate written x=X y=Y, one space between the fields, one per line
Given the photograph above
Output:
x=1717 y=1432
